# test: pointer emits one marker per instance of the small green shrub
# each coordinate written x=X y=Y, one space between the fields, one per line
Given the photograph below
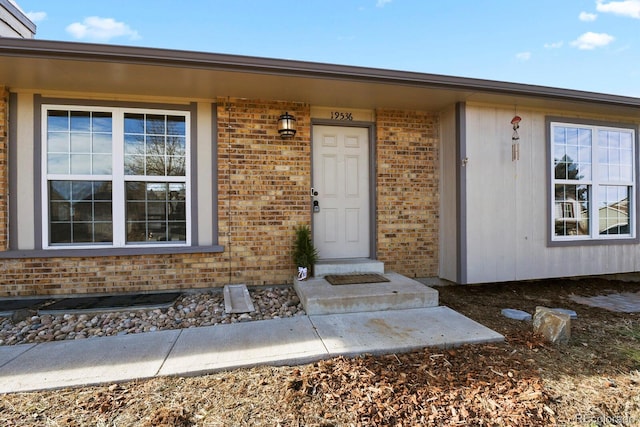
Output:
x=304 y=253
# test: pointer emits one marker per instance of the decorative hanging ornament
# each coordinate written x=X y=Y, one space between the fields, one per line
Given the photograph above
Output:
x=516 y=125
x=515 y=138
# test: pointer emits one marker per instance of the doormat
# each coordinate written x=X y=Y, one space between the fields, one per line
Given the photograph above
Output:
x=354 y=279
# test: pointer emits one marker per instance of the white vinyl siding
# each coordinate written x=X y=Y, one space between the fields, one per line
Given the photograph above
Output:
x=510 y=204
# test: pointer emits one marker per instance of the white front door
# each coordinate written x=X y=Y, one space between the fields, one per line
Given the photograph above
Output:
x=341 y=178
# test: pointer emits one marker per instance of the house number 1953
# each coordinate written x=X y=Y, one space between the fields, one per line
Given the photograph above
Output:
x=341 y=115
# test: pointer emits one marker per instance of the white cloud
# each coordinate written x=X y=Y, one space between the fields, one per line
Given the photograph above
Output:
x=554 y=45
x=630 y=8
x=101 y=29
x=587 y=17
x=523 y=56
x=36 y=16
x=590 y=40
x=381 y=3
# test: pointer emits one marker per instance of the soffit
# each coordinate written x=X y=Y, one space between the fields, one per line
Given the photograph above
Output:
x=194 y=83
x=75 y=67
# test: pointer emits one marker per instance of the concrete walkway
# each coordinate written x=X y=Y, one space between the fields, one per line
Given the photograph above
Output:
x=194 y=351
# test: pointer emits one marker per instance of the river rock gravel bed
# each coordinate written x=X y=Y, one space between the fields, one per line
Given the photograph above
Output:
x=189 y=311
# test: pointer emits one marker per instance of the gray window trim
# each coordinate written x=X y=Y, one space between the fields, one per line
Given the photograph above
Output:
x=591 y=242
x=193 y=111
x=13 y=171
x=37 y=172
x=38 y=252
x=214 y=176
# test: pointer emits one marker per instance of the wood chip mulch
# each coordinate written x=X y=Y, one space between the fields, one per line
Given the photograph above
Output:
x=593 y=380
x=473 y=385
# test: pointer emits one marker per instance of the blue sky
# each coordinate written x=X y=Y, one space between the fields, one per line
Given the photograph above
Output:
x=591 y=45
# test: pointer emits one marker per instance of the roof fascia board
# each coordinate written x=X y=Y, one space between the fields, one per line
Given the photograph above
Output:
x=248 y=64
x=17 y=13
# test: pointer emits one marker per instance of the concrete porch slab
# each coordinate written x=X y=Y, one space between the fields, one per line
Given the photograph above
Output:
x=347 y=266
x=320 y=297
x=399 y=331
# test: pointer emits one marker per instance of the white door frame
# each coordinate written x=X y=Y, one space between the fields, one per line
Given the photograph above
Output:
x=372 y=174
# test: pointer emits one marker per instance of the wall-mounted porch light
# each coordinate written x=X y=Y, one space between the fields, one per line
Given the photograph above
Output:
x=286 y=126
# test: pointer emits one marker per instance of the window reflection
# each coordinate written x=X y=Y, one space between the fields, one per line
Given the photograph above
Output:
x=80 y=121
x=156 y=212
x=134 y=123
x=572 y=153
x=155 y=145
x=80 y=212
x=571 y=210
x=614 y=209
x=592 y=182
x=79 y=143
x=616 y=152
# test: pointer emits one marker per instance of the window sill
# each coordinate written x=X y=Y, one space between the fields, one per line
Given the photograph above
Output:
x=593 y=242
x=88 y=253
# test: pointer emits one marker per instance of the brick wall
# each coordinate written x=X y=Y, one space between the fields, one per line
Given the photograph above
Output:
x=66 y=276
x=264 y=187
x=263 y=193
x=4 y=153
x=407 y=191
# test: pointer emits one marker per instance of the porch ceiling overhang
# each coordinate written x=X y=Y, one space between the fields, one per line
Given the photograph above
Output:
x=119 y=70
